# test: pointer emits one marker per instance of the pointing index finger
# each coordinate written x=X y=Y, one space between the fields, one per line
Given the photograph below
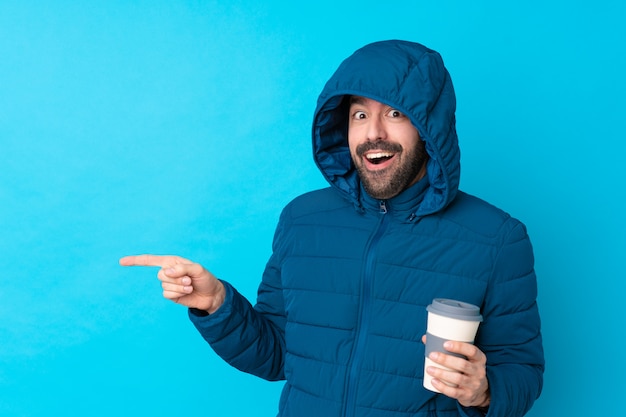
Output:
x=151 y=260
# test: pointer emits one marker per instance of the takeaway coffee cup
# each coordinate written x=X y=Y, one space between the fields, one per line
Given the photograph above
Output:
x=448 y=320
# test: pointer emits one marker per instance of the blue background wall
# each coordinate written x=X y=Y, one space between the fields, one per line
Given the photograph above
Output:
x=183 y=127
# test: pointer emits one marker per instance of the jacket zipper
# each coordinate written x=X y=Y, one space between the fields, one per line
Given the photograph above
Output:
x=364 y=314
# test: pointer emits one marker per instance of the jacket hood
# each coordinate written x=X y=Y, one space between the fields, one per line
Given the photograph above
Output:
x=410 y=78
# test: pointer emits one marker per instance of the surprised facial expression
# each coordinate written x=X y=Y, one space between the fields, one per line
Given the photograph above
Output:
x=385 y=147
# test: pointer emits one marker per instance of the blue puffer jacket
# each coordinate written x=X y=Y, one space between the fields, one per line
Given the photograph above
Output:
x=342 y=305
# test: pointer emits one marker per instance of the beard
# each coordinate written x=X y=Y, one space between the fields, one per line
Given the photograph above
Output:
x=389 y=182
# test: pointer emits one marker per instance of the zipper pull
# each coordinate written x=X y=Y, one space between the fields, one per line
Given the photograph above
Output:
x=383 y=207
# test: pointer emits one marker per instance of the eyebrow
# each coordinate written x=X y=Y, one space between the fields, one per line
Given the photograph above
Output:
x=357 y=100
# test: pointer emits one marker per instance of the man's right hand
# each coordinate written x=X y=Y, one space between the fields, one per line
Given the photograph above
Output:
x=183 y=281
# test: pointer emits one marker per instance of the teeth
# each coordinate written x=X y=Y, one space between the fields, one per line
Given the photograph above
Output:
x=378 y=155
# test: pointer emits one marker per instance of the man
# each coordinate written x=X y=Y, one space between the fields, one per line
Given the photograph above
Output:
x=341 y=309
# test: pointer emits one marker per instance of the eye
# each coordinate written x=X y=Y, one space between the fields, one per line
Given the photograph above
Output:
x=395 y=113
x=359 y=115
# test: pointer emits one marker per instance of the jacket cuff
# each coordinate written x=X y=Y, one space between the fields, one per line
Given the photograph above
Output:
x=204 y=319
x=472 y=411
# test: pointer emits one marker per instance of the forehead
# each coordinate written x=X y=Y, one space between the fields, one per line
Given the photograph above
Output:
x=364 y=101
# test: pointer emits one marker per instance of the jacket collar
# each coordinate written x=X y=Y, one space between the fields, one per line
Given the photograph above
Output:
x=404 y=206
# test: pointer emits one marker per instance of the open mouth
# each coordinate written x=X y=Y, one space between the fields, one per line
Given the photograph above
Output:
x=377 y=158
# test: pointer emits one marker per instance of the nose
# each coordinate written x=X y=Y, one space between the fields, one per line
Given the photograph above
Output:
x=376 y=129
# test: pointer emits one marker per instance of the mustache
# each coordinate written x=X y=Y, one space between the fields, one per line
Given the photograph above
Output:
x=382 y=145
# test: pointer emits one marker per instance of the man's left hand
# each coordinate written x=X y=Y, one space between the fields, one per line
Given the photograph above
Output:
x=466 y=380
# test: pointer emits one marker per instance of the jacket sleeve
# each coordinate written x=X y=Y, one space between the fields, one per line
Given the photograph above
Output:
x=249 y=338
x=510 y=335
